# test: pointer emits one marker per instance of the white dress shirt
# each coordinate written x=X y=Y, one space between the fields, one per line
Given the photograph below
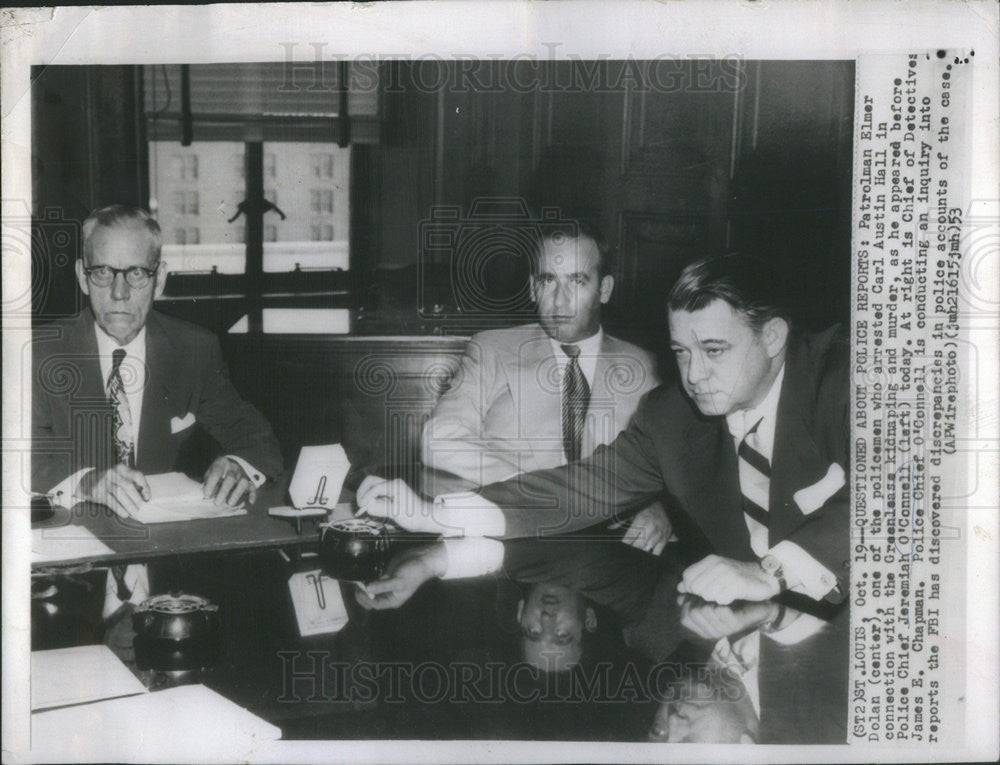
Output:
x=810 y=576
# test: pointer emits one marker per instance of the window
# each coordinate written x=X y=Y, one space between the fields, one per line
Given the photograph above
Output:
x=322 y=232
x=322 y=165
x=185 y=202
x=188 y=235
x=185 y=166
x=234 y=202
x=321 y=201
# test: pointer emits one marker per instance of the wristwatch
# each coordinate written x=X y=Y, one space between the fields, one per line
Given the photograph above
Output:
x=772 y=566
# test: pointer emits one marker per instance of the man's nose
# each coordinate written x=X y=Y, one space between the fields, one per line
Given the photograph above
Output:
x=119 y=287
x=563 y=298
x=696 y=369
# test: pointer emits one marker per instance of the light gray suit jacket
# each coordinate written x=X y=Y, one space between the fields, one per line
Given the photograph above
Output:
x=502 y=414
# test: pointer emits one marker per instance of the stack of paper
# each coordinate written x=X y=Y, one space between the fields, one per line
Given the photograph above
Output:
x=175 y=497
x=76 y=675
x=65 y=543
x=190 y=722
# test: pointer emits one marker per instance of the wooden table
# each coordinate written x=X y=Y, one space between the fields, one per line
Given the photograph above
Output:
x=131 y=541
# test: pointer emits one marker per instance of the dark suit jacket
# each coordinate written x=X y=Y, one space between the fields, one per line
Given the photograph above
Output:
x=671 y=446
x=71 y=418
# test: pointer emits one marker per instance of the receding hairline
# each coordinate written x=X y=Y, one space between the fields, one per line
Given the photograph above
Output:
x=94 y=224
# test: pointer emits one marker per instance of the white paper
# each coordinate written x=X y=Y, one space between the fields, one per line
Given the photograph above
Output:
x=175 y=497
x=76 y=675
x=319 y=476
x=136 y=728
x=65 y=543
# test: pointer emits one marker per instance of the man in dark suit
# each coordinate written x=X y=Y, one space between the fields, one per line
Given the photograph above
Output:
x=753 y=447
x=119 y=390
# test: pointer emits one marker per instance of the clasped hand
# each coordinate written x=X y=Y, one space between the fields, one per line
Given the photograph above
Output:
x=712 y=621
x=723 y=580
x=396 y=501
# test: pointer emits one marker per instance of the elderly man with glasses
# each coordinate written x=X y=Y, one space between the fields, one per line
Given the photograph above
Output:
x=119 y=390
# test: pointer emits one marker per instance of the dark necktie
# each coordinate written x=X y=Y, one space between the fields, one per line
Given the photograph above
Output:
x=575 y=399
x=123 y=435
x=755 y=477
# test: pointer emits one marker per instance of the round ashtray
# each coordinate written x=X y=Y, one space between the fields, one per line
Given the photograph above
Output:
x=176 y=632
x=354 y=549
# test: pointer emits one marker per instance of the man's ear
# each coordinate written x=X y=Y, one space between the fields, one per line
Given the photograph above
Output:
x=590 y=620
x=607 y=285
x=161 y=280
x=531 y=287
x=520 y=609
x=775 y=336
x=81 y=277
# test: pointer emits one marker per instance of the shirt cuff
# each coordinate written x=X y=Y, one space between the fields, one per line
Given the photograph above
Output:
x=803 y=626
x=472 y=556
x=814 y=579
x=256 y=477
x=62 y=494
x=468 y=515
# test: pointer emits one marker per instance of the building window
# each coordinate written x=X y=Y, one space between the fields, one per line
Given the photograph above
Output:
x=270 y=233
x=270 y=165
x=322 y=165
x=185 y=166
x=322 y=232
x=187 y=235
x=271 y=196
x=185 y=202
x=321 y=201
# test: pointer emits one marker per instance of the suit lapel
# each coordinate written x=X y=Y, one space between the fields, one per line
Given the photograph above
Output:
x=713 y=498
x=795 y=461
x=537 y=399
x=84 y=341
x=601 y=424
x=163 y=366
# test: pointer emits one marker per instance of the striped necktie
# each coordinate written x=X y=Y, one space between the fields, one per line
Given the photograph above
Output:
x=122 y=433
x=124 y=445
x=575 y=400
x=755 y=478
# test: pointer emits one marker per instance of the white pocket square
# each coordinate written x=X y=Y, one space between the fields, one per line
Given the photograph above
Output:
x=812 y=498
x=177 y=424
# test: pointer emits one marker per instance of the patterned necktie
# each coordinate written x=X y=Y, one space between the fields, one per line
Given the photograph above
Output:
x=122 y=433
x=575 y=399
x=755 y=480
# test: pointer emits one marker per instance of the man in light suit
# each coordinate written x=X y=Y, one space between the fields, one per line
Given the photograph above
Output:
x=510 y=407
x=119 y=390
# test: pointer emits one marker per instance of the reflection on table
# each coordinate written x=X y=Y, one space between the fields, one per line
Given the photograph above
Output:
x=459 y=659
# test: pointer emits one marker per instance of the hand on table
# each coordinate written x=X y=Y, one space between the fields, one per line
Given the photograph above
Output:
x=121 y=488
x=650 y=529
x=407 y=571
x=397 y=502
x=723 y=580
x=712 y=621
x=227 y=483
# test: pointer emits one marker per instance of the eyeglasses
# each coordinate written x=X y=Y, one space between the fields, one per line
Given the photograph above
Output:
x=103 y=276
